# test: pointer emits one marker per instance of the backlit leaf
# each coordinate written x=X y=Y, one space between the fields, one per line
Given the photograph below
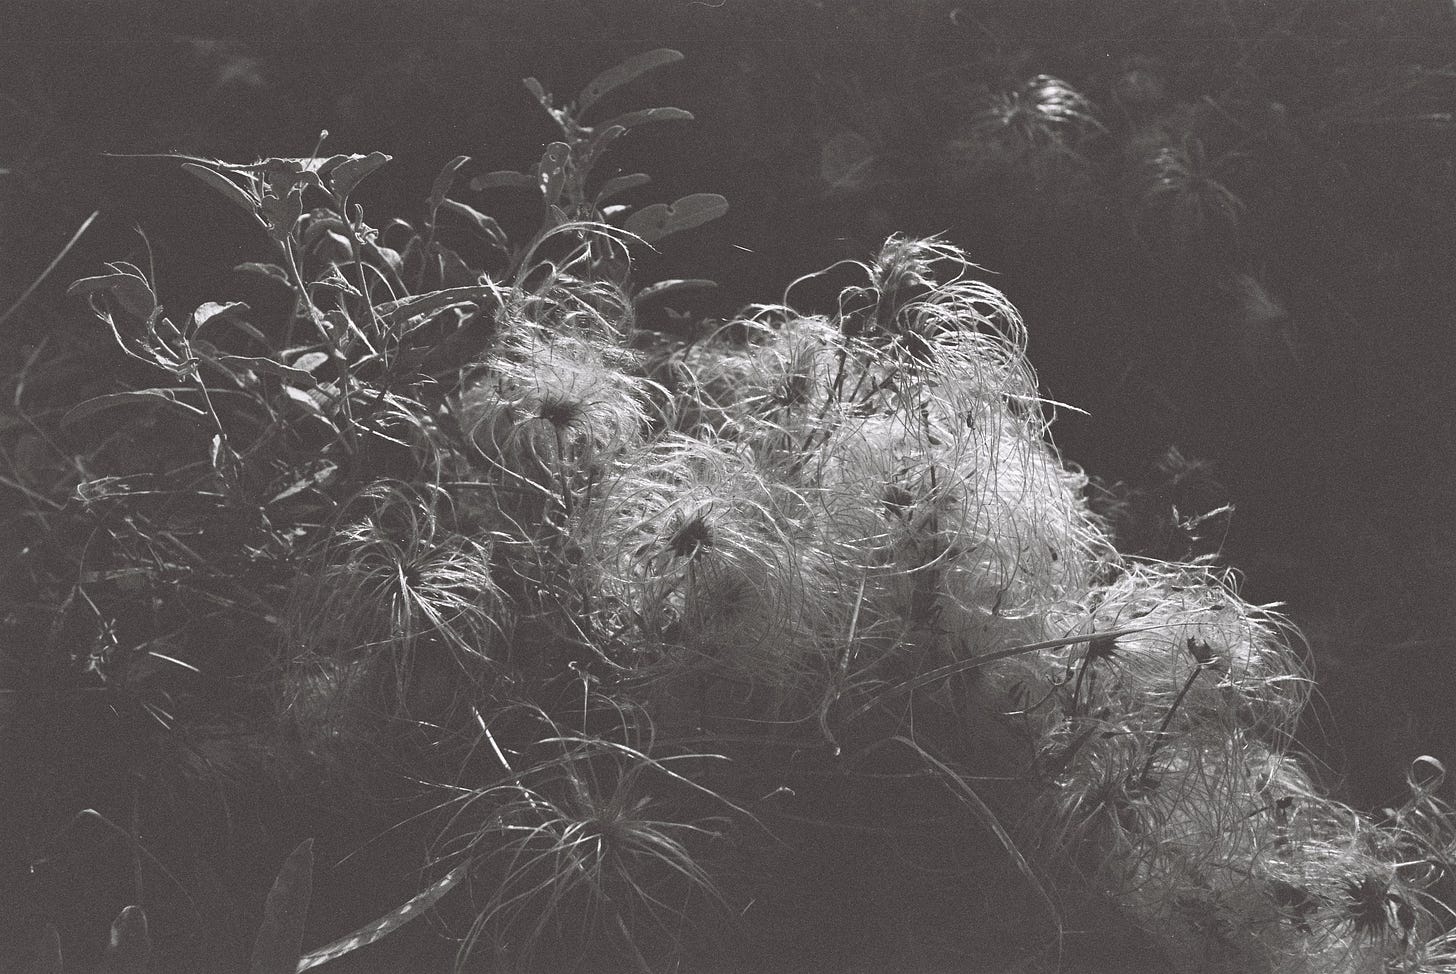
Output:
x=351 y=171
x=668 y=287
x=126 y=287
x=279 y=944
x=619 y=75
x=268 y=366
x=539 y=91
x=130 y=946
x=212 y=309
x=658 y=220
x=646 y=115
x=441 y=187
x=273 y=271
x=230 y=190
x=150 y=397
x=620 y=184
x=502 y=177
x=318 y=472
x=309 y=361
x=487 y=225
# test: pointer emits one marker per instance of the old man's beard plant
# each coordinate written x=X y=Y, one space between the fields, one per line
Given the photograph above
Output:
x=590 y=609
x=851 y=530
x=839 y=534
x=848 y=534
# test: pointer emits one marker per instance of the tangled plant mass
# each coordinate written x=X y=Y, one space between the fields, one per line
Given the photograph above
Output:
x=596 y=593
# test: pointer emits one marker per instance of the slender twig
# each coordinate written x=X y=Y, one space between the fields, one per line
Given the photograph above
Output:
x=1158 y=738
x=976 y=662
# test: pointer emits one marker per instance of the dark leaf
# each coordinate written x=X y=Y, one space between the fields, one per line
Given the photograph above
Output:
x=266 y=270
x=502 y=177
x=384 y=926
x=130 y=946
x=487 y=225
x=350 y=172
x=230 y=190
x=441 y=187
x=603 y=139
x=252 y=363
x=127 y=287
x=615 y=77
x=658 y=220
x=153 y=397
x=454 y=272
x=280 y=213
x=279 y=945
x=393 y=312
x=620 y=184
x=391 y=258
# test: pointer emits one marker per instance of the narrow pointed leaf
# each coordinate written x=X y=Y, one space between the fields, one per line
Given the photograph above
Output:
x=646 y=115
x=258 y=363
x=502 y=177
x=230 y=190
x=273 y=271
x=279 y=944
x=441 y=187
x=487 y=225
x=393 y=312
x=603 y=139
x=151 y=397
x=130 y=947
x=661 y=288
x=658 y=220
x=385 y=925
x=619 y=75
x=315 y=473
x=620 y=184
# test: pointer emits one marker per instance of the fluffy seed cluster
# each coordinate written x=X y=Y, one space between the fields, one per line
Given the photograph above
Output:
x=921 y=525
x=851 y=528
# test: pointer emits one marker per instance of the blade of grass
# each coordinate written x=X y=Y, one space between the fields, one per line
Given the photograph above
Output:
x=25 y=295
x=983 y=813
x=380 y=928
